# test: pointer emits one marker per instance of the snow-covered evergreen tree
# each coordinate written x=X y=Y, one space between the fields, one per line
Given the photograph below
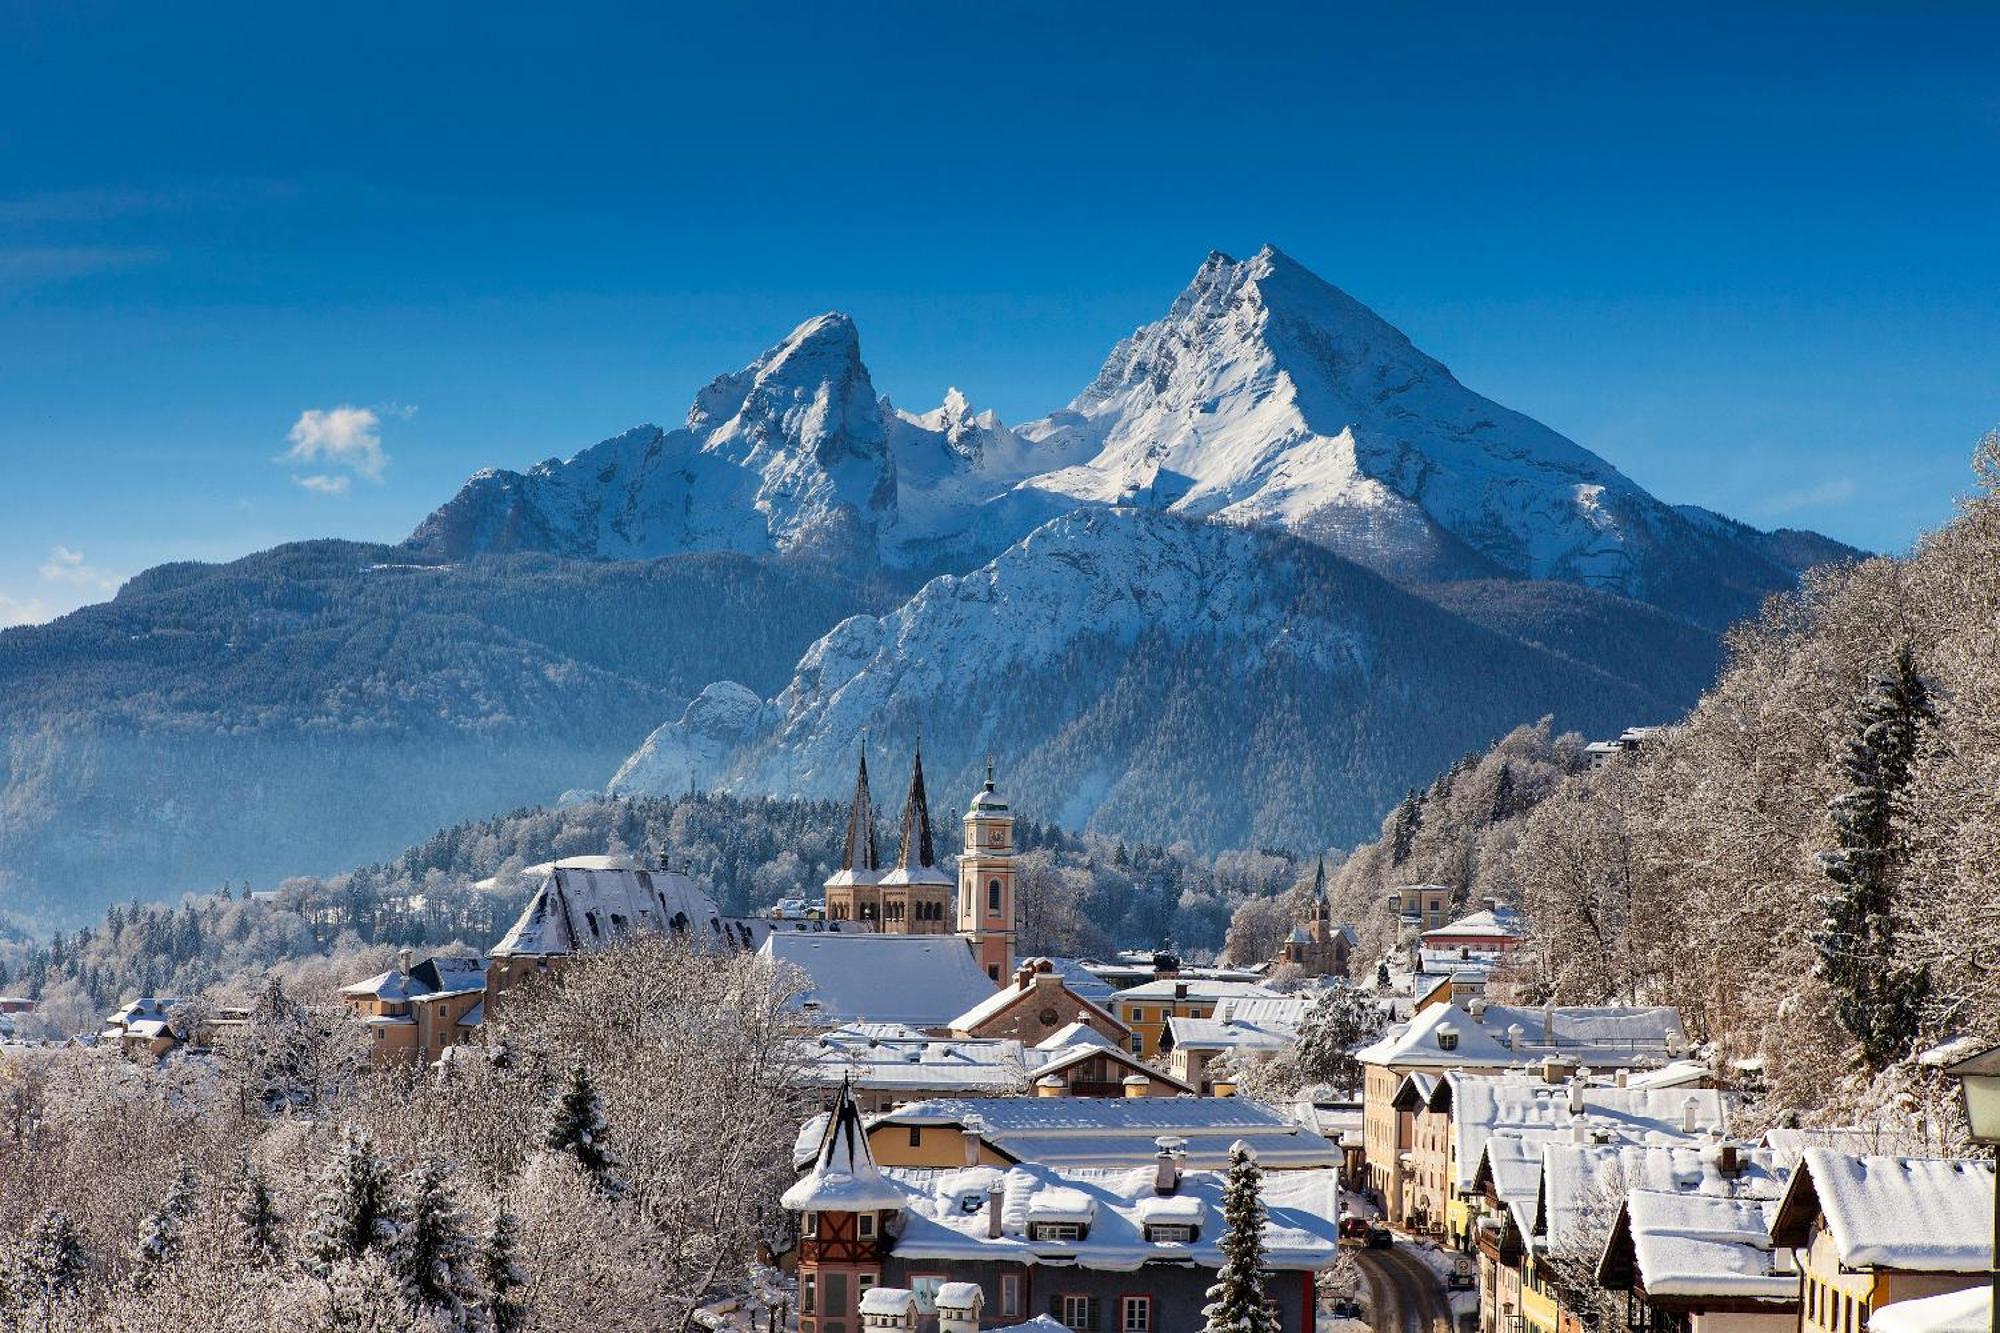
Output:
x=433 y=1253
x=51 y=1266
x=502 y=1275
x=160 y=1234
x=1236 y=1301
x=1878 y=997
x=578 y=1128
x=355 y=1211
x=256 y=1219
x=1341 y=1019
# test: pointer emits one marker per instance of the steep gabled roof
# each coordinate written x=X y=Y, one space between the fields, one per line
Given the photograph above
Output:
x=584 y=908
x=858 y=852
x=843 y=1176
x=1924 y=1214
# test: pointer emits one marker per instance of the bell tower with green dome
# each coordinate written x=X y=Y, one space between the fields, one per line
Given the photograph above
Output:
x=986 y=881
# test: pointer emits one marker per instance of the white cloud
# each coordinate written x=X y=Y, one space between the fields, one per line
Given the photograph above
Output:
x=24 y=610
x=69 y=567
x=322 y=483
x=1832 y=491
x=343 y=437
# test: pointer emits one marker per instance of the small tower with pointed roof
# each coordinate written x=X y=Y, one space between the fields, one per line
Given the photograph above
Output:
x=851 y=891
x=1318 y=946
x=845 y=1207
x=986 y=881
x=915 y=893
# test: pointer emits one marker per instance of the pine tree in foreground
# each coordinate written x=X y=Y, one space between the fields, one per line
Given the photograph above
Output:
x=1878 y=999
x=256 y=1218
x=355 y=1211
x=502 y=1276
x=433 y=1252
x=578 y=1128
x=160 y=1234
x=1236 y=1301
x=51 y=1266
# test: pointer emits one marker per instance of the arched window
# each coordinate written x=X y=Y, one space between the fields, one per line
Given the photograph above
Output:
x=993 y=897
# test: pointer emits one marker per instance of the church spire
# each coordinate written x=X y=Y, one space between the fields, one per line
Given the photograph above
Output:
x=844 y=1177
x=1319 y=881
x=859 y=854
x=917 y=822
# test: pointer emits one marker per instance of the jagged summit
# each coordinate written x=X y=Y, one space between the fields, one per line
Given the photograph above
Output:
x=1266 y=396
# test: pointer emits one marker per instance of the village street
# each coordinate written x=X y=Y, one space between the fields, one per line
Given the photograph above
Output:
x=1404 y=1294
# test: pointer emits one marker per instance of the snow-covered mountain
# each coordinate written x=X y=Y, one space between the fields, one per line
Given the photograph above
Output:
x=789 y=454
x=1266 y=397
x=1138 y=671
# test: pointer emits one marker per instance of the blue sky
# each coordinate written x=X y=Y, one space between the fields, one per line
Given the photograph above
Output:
x=1748 y=254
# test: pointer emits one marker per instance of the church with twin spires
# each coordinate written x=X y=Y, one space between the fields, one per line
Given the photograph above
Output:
x=913 y=896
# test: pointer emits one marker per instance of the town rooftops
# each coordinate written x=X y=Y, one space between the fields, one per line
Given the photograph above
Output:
x=1485 y=1035
x=1197 y=988
x=1698 y=1248
x=1021 y=988
x=1576 y=1177
x=435 y=976
x=1492 y=923
x=1067 y=1132
x=946 y=1217
x=1922 y=1214
x=1442 y=1035
x=922 y=980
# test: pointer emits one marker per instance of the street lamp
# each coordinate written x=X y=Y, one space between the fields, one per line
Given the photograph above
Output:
x=1979 y=1078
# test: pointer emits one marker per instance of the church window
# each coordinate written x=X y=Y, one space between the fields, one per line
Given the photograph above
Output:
x=993 y=897
x=1048 y=1017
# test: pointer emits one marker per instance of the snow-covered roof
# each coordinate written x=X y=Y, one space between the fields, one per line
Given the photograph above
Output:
x=1578 y=1179
x=1609 y=1035
x=1699 y=1245
x=843 y=1176
x=580 y=908
x=1197 y=988
x=1078 y=1033
x=923 y=980
x=1502 y=922
x=1514 y=1166
x=1230 y=1034
x=1924 y=1214
x=1077 y=1132
x=888 y=1300
x=959 y=1295
x=1019 y=989
x=1046 y=1063
x=1968 y=1311
x=1482 y=1106
x=1302 y=1210
x=911 y=1061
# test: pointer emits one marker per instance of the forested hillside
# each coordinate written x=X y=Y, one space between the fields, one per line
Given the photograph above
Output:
x=1804 y=865
x=324 y=703
x=462 y=886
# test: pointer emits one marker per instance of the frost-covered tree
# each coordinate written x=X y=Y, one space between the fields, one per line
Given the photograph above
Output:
x=577 y=1127
x=50 y=1269
x=255 y=1220
x=1877 y=995
x=433 y=1252
x=1236 y=1301
x=501 y=1274
x=1341 y=1019
x=355 y=1211
x=160 y=1235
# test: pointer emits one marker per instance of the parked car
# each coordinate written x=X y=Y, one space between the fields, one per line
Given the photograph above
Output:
x=1345 y=1309
x=1353 y=1227
x=1379 y=1237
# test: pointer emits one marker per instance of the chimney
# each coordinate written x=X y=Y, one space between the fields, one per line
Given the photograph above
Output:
x=1549 y=1024
x=970 y=1130
x=1024 y=976
x=1224 y=1086
x=1050 y=1086
x=1555 y=1069
x=1623 y=1078
x=1514 y=1034
x=1477 y=1008
x=1579 y=1132
x=996 y=1204
x=1576 y=1096
x=1727 y=1161
x=1167 y=1167
x=405 y=960
x=1690 y=1113
x=1180 y=990
x=1137 y=1085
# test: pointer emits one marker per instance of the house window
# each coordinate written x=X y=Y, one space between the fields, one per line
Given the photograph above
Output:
x=916 y=1136
x=1135 y=1314
x=1138 y=1044
x=1079 y=1313
x=1010 y=1293
x=808 y=1292
x=993 y=897
x=862 y=1282
x=864 y=1226
x=808 y=1224
x=1160 y=1232
x=1055 y=1231
x=924 y=1286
